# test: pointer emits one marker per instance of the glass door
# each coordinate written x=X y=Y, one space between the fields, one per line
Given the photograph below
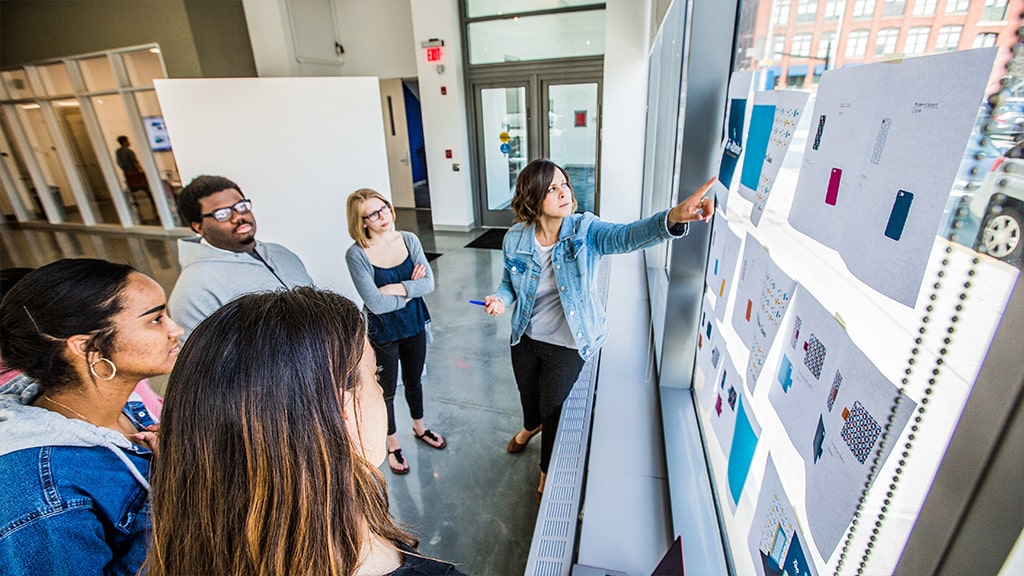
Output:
x=525 y=114
x=503 y=148
x=571 y=136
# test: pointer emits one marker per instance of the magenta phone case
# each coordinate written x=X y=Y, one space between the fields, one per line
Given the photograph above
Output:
x=833 y=187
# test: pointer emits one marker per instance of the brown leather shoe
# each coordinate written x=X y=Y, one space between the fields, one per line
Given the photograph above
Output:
x=515 y=447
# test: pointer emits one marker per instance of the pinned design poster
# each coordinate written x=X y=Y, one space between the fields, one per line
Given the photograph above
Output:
x=722 y=256
x=832 y=405
x=737 y=111
x=874 y=183
x=772 y=126
x=763 y=292
x=776 y=542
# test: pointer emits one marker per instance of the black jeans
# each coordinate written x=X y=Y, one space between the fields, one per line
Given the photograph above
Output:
x=412 y=352
x=545 y=374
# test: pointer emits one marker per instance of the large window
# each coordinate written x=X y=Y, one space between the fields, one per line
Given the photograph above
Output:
x=894 y=8
x=87 y=139
x=948 y=38
x=542 y=37
x=826 y=42
x=924 y=7
x=801 y=47
x=917 y=40
x=807 y=10
x=863 y=8
x=834 y=9
x=985 y=40
x=856 y=43
x=957 y=6
x=995 y=11
x=885 y=42
x=780 y=11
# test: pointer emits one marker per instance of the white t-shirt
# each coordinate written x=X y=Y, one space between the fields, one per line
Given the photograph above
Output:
x=547 y=322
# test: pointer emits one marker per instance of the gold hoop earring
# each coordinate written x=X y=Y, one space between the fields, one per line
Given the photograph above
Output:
x=113 y=369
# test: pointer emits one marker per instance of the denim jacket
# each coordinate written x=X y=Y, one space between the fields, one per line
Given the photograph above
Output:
x=76 y=498
x=582 y=241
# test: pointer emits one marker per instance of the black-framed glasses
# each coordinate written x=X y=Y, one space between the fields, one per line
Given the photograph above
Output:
x=378 y=214
x=243 y=206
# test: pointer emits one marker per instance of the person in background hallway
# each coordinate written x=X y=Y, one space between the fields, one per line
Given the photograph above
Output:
x=126 y=158
x=77 y=444
x=273 y=429
x=392 y=275
x=226 y=260
x=551 y=259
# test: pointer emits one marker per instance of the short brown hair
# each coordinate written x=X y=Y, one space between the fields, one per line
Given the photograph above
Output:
x=355 y=213
x=532 y=187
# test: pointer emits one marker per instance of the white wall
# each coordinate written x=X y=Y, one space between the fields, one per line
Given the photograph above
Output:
x=377 y=37
x=297 y=146
x=444 y=117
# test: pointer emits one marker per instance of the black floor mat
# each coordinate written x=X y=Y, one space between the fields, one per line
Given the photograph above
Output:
x=490 y=239
x=431 y=256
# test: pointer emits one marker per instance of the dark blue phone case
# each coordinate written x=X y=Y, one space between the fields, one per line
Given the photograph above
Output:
x=898 y=216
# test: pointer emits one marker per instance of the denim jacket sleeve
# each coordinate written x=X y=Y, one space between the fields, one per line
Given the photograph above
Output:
x=68 y=541
x=506 y=291
x=609 y=238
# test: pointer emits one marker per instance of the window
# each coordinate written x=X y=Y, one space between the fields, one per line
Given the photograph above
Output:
x=894 y=8
x=924 y=7
x=795 y=81
x=825 y=42
x=995 y=11
x=834 y=9
x=778 y=46
x=857 y=43
x=780 y=11
x=985 y=40
x=885 y=42
x=948 y=38
x=801 y=47
x=807 y=11
x=957 y=6
x=537 y=37
x=863 y=8
x=917 y=40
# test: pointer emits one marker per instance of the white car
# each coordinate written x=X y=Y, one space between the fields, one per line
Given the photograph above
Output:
x=999 y=206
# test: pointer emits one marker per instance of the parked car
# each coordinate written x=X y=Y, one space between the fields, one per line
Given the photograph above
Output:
x=1007 y=122
x=998 y=205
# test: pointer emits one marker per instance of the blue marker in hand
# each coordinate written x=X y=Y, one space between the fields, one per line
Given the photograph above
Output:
x=478 y=302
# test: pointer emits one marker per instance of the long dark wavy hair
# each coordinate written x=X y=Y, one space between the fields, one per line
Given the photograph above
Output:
x=532 y=187
x=257 y=474
x=52 y=303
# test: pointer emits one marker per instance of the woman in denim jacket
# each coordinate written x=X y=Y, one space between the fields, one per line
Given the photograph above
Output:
x=77 y=443
x=551 y=260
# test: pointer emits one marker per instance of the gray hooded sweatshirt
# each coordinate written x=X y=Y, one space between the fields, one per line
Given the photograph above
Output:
x=211 y=277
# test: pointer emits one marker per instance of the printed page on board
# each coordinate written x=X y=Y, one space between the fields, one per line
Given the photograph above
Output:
x=709 y=345
x=737 y=112
x=789 y=106
x=835 y=405
x=723 y=254
x=763 y=292
x=777 y=542
x=830 y=172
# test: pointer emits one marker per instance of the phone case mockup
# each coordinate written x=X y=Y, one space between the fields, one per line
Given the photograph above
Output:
x=833 y=187
x=898 y=216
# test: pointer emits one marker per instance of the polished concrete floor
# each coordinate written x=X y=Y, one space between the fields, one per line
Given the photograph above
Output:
x=471 y=503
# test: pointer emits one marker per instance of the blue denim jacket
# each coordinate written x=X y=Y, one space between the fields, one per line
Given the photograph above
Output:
x=582 y=241
x=76 y=499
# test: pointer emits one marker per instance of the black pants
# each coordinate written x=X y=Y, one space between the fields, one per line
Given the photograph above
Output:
x=412 y=352
x=545 y=374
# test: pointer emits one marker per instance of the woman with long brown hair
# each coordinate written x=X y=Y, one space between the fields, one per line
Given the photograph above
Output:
x=273 y=426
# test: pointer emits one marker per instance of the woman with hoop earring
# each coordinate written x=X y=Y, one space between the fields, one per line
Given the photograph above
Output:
x=77 y=442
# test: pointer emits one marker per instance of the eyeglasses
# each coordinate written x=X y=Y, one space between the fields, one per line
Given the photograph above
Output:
x=243 y=206
x=378 y=214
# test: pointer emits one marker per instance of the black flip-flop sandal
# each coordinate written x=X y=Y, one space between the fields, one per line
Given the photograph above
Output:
x=401 y=460
x=428 y=434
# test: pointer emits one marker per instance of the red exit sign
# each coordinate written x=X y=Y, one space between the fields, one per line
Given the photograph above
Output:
x=434 y=54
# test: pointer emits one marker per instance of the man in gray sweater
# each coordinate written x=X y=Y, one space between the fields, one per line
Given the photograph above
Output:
x=226 y=260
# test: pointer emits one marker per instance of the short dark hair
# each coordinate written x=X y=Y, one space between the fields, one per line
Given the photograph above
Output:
x=200 y=187
x=532 y=187
x=122 y=140
x=54 y=302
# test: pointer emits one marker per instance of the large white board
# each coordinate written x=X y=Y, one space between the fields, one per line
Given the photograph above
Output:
x=297 y=146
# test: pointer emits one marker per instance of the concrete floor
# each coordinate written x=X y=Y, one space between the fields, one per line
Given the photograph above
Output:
x=471 y=503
